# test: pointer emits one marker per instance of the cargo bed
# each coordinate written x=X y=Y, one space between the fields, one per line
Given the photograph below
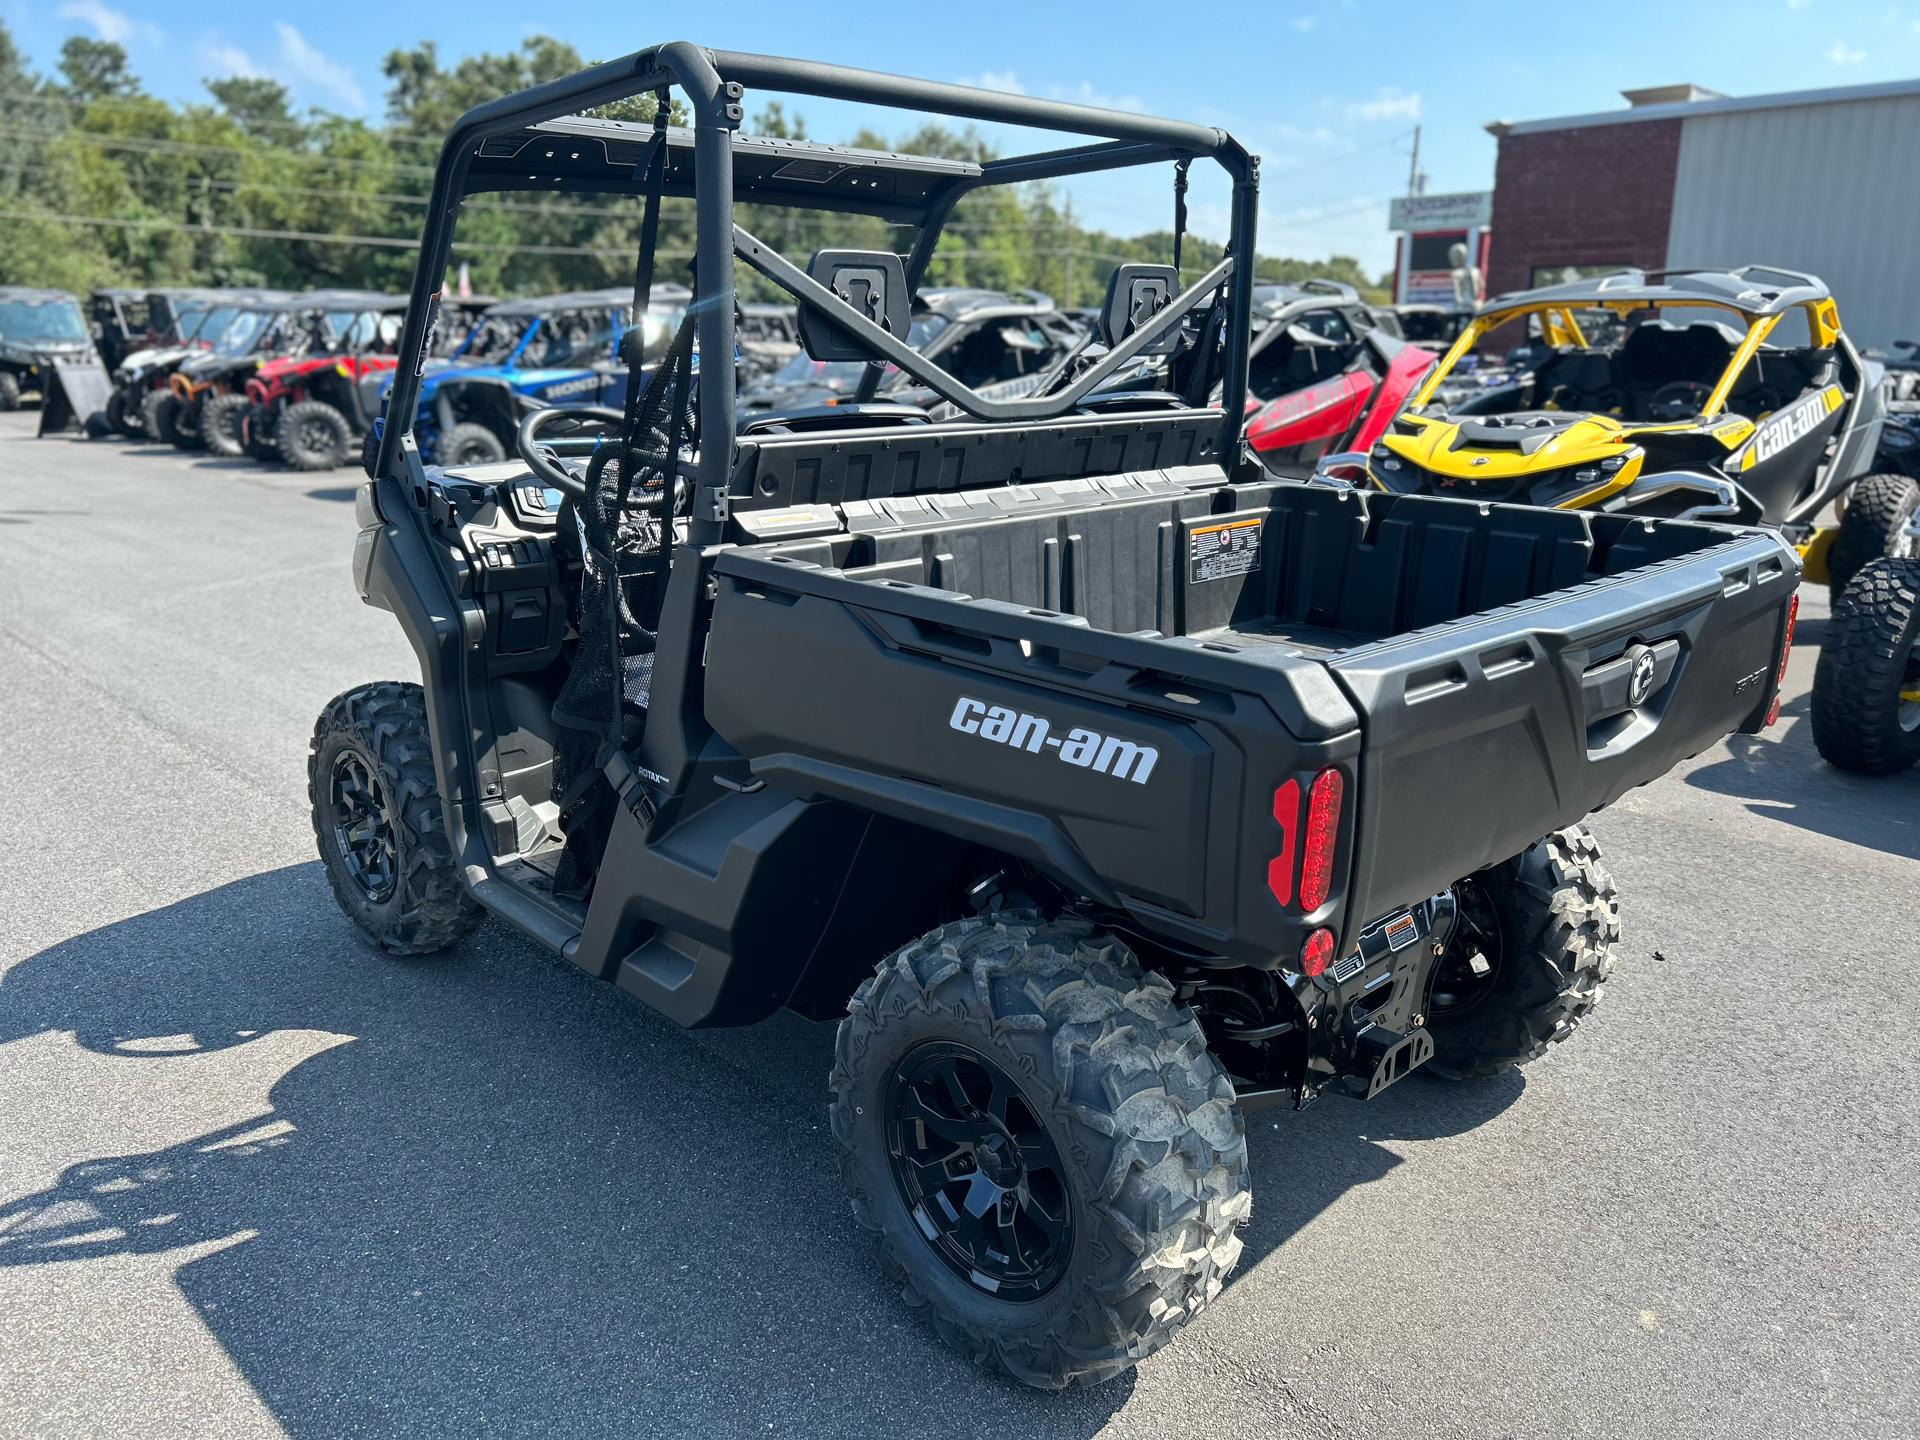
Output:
x=1470 y=661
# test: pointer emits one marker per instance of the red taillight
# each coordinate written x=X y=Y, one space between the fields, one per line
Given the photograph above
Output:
x=1286 y=813
x=1786 y=651
x=1316 y=952
x=1323 y=828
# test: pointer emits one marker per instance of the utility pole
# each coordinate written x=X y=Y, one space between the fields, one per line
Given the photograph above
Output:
x=1416 y=182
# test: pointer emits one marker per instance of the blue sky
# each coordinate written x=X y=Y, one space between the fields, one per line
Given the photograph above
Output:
x=1328 y=91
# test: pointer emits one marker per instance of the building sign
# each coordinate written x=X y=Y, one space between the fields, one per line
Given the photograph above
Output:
x=1440 y=212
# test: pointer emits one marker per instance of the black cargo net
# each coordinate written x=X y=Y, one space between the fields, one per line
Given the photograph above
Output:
x=624 y=531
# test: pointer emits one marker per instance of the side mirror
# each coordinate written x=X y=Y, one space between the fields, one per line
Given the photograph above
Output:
x=1135 y=294
x=874 y=283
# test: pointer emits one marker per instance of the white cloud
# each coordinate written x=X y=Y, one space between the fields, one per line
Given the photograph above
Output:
x=1841 y=55
x=1302 y=23
x=1388 y=104
x=301 y=63
x=109 y=23
x=219 y=59
x=1004 y=81
x=307 y=72
x=1085 y=94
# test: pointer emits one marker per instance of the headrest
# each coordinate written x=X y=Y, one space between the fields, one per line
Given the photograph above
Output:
x=1135 y=294
x=874 y=283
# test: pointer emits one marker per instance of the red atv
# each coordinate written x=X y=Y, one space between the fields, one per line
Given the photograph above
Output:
x=1326 y=373
x=309 y=411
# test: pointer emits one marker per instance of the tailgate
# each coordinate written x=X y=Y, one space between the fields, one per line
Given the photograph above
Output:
x=1484 y=734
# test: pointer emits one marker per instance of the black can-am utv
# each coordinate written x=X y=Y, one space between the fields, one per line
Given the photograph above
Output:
x=1102 y=787
x=45 y=346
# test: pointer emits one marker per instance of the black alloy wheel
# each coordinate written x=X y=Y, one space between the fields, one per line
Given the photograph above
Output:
x=978 y=1172
x=1469 y=968
x=363 y=823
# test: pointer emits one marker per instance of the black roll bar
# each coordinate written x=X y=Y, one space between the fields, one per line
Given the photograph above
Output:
x=714 y=83
x=783 y=272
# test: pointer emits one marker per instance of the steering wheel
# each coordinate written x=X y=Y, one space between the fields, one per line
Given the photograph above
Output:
x=543 y=457
x=1678 y=400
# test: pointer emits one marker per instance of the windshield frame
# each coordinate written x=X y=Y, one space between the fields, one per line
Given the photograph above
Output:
x=51 y=305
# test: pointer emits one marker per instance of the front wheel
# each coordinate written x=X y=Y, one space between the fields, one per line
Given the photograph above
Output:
x=9 y=390
x=180 y=424
x=469 y=444
x=257 y=426
x=1049 y=1154
x=379 y=824
x=1527 y=959
x=124 y=420
x=1866 y=688
x=220 y=424
x=314 y=436
x=1879 y=510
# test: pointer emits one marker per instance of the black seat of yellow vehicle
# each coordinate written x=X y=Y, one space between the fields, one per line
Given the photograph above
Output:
x=1579 y=380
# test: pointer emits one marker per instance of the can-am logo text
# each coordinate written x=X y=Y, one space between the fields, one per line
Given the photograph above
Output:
x=1788 y=426
x=1107 y=754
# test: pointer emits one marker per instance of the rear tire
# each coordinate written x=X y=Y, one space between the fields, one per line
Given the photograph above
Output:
x=121 y=418
x=1874 y=524
x=1546 y=922
x=257 y=425
x=378 y=821
x=469 y=444
x=151 y=405
x=9 y=390
x=1861 y=722
x=181 y=424
x=314 y=436
x=220 y=424
x=1120 y=1123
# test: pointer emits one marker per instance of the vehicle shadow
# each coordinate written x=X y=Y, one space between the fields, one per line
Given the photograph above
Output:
x=517 y=1201
x=1781 y=776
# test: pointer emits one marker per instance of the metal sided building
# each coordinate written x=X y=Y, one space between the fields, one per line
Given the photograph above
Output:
x=1825 y=181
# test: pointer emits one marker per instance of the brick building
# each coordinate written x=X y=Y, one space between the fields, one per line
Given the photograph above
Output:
x=1825 y=181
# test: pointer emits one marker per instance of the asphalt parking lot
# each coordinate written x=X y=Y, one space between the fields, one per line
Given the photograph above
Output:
x=258 y=1179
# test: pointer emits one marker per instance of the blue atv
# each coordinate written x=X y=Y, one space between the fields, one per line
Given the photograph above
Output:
x=527 y=355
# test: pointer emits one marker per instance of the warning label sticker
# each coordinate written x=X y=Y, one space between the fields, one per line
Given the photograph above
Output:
x=1229 y=548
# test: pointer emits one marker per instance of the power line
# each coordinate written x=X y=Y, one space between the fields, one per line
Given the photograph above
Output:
x=302 y=127
x=251 y=232
x=201 y=181
x=193 y=147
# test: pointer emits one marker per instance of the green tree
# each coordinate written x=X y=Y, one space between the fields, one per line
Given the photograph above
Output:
x=105 y=184
x=96 y=69
x=257 y=105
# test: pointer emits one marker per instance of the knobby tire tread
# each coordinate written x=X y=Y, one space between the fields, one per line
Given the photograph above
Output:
x=1559 y=916
x=389 y=720
x=1137 y=1102
x=1863 y=661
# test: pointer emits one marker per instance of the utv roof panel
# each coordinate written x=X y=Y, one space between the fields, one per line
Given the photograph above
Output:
x=582 y=153
x=1752 y=290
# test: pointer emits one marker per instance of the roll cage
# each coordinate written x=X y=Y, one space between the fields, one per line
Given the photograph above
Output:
x=537 y=140
x=1760 y=297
